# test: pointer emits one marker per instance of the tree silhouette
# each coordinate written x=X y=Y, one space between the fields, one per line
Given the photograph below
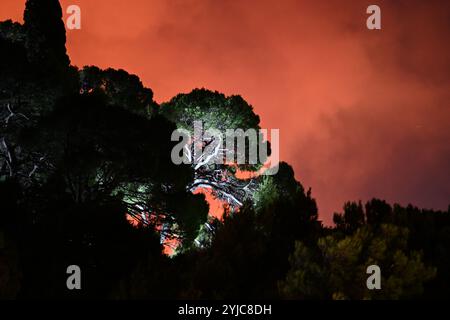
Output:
x=86 y=178
x=120 y=89
x=46 y=34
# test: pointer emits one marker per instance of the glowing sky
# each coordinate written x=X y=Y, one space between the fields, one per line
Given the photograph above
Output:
x=362 y=113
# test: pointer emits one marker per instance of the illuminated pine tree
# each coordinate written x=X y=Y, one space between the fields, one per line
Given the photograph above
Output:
x=214 y=110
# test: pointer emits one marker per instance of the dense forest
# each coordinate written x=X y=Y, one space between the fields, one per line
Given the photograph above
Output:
x=86 y=178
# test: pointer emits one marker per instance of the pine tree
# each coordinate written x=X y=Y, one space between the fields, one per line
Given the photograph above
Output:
x=46 y=33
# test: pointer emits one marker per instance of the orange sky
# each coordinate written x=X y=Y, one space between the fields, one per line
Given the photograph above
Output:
x=362 y=113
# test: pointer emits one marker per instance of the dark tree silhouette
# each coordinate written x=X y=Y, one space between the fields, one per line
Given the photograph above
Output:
x=82 y=151
x=120 y=88
x=46 y=34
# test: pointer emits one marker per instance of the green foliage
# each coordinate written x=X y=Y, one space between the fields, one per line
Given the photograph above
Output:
x=336 y=268
x=192 y=213
x=216 y=111
x=428 y=233
x=267 y=193
x=213 y=108
x=281 y=187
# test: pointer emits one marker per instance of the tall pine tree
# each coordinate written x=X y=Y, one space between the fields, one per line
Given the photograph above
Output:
x=46 y=34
